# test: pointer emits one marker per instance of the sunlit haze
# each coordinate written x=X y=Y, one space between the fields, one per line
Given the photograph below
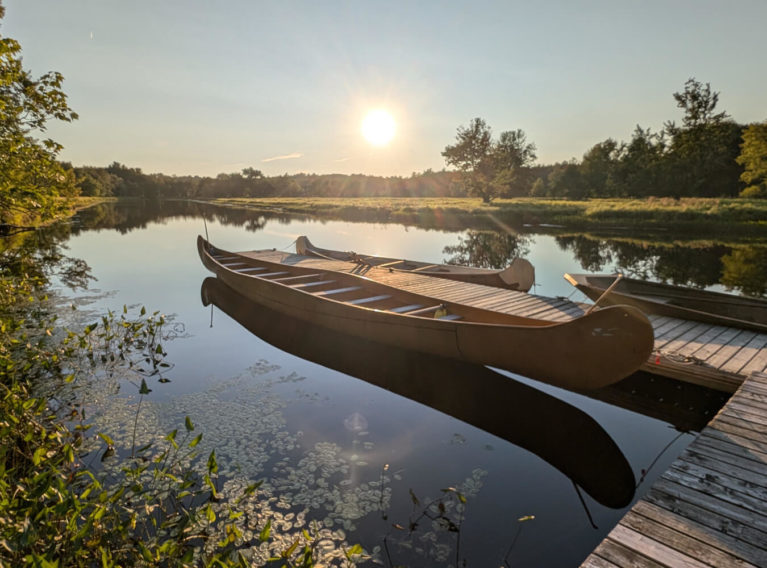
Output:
x=197 y=87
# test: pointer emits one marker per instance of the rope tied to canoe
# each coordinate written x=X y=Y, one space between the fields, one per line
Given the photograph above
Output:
x=290 y=245
x=677 y=358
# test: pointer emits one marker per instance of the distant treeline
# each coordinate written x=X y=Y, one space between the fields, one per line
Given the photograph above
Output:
x=708 y=155
x=648 y=165
x=119 y=180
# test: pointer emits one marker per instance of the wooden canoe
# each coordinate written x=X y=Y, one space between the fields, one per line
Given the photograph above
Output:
x=589 y=352
x=519 y=275
x=571 y=440
x=675 y=301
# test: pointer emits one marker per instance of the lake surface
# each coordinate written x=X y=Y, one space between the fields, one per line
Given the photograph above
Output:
x=363 y=439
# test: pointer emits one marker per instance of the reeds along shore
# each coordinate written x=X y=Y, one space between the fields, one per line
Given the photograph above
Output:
x=728 y=213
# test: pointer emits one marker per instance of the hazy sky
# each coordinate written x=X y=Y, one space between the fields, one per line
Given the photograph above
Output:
x=203 y=87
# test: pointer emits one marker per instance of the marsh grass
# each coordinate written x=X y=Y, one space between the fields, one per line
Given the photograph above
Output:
x=730 y=214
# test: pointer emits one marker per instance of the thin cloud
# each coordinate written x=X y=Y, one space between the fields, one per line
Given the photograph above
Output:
x=292 y=156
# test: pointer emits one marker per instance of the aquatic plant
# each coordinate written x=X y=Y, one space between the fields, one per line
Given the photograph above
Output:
x=70 y=498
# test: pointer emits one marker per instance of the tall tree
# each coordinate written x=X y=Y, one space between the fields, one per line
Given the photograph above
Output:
x=513 y=156
x=598 y=168
x=641 y=167
x=702 y=152
x=699 y=103
x=489 y=167
x=753 y=158
x=32 y=181
x=565 y=180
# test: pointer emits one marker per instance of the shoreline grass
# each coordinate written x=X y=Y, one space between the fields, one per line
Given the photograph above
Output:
x=728 y=214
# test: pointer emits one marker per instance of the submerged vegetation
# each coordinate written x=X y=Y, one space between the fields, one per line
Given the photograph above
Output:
x=73 y=497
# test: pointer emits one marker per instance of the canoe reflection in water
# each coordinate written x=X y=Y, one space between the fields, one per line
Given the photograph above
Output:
x=568 y=438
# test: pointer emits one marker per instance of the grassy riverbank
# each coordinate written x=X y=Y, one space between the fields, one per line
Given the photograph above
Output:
x=690 y=213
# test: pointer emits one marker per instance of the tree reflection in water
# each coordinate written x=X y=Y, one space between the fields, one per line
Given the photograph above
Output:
x=487 y=249
x=675 y=259
x=742 y=268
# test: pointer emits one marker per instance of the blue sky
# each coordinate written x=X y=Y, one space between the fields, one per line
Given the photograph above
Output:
x=202 y=87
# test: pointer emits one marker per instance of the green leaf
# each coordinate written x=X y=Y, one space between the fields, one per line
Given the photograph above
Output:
x=188 y=424
x=107 y=439
x=210 y=485
x=291 y=549
x=37 y=457
x=353 y=551
x=212 y=464
x=264 y=535
x=145 y=552
x=172 y=438
x=196 y=441
x=144 y=388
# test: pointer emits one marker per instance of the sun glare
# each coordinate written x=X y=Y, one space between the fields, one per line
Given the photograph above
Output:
x=378 y=127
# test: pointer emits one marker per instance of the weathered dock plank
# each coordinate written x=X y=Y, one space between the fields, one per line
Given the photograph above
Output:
x=710 y=507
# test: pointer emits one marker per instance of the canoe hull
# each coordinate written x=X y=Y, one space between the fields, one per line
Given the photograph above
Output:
x=591 y=352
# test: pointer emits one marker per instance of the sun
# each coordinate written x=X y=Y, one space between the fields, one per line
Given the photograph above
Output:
x=378 y=127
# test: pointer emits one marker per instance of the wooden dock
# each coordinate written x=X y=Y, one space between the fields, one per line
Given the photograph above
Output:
x=709 y=355
x=710 y=508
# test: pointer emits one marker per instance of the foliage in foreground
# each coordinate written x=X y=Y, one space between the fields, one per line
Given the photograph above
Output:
x=157 y=506
x=33 y=184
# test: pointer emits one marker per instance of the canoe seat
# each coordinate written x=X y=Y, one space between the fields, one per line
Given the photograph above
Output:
x=424 y=310
x=220 y=258
x=229 y=264
x=296 y=277
x=337 y=291
x=427 y=267
x=273 y=274
x=392 y=263
x=309 y=284
x=450 y=317
x=250 y=269
x=408 y=308
x=368 y=300
x=657 y=299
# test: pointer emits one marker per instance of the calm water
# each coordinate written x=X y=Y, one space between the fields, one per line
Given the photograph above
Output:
x=353 y=453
